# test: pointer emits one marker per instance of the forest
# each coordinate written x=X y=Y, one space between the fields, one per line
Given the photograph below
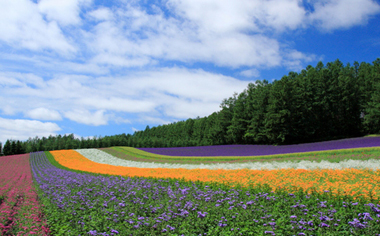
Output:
x=320 y=103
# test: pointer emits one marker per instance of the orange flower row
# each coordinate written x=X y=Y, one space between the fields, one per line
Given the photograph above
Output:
x=349 y=181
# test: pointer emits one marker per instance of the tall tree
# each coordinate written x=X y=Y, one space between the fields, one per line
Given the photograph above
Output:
x=372 y=117
x=257 y=105
x=278 y=118
x=240 y=119
x=7 y=150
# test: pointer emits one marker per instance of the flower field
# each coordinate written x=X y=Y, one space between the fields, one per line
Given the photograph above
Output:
x=20 y=212
x=158 y=201
x=91 y=192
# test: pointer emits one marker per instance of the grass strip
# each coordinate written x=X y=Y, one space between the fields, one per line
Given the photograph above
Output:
x=336 y=156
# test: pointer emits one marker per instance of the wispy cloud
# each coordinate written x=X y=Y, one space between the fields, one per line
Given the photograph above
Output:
x=86 y=117
x=42 y=113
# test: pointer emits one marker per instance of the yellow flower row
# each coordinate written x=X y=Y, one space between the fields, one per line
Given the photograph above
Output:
x=349 y=181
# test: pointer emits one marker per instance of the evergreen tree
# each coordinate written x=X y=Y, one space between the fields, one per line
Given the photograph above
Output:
x=14 y=147
x=7 y=150
x=19 y=148
x=372 y=116
x=239 y=120
x=257 y=106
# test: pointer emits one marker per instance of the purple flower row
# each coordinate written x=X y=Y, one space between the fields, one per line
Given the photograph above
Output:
x=260 y=150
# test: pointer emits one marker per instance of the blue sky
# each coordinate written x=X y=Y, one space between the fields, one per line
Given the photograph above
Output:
x=101 y=68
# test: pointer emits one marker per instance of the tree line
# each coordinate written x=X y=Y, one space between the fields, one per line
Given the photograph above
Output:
x=320 y=103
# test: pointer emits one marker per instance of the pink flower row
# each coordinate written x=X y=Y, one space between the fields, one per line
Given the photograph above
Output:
x=20 y=211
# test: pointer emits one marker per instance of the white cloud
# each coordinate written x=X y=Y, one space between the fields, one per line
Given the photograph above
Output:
x=225 y=33
x=64 y=12
x=101 y=14
x=136 y=38
x=120 y=120
x=134 y=129
x=42 y=113
x=20 y=129
x=153 y=120
x=222 y=32
x=86 y=117
x=294 y=60
x=174 y=92
x=282 y=15
x=250 y=73
x=231 y=16
x=118 y=104
x=335 y=14
x=22 y=26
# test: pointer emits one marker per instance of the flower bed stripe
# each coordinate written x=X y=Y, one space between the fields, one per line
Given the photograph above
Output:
x=354 y=182
x=20 y=212
x=261 y=150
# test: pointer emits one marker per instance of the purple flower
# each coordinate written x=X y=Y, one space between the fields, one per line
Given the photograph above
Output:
x=92 y=232
x=202 y=215
x=356 y=223
x=114 y=231
x=324 y=225
x=367 y=216
x=324 y=218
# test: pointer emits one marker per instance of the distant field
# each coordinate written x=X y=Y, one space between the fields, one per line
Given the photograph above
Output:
x=262 y=150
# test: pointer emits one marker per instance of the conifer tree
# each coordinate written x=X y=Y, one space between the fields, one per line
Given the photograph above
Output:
x=7 y=150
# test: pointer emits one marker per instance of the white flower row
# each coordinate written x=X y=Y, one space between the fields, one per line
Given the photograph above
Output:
x=99 y=156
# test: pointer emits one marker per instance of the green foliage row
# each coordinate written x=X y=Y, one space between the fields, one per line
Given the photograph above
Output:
x=330 y=155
